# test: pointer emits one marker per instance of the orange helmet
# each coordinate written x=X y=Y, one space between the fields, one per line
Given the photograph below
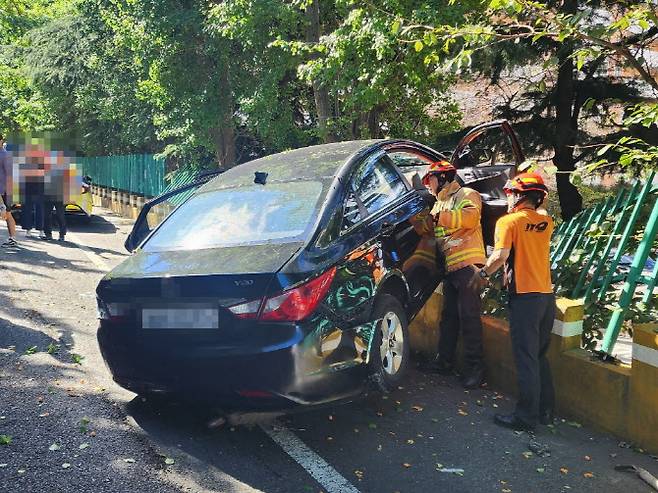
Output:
x=526 y=182
x=438 y=168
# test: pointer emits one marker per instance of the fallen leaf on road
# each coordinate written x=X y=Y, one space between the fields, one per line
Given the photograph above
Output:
x=479 y=403
x=564 y=470
x=588 y=475
x=587 y=458
x=541 y=470
x=3 y=466
x=379 y=448
x=372 y=426
x=66 y=465
x=54 y=446
x=462 y=412
x=330 y=438
x=359 y=474
x=43 y=415
x=5 y=440
x=527 y=454
x=505 y=490
x=21 y=471
x=331 y=418
x=77 y=358
x=435 y=420
x=574 y=424
x=129 y=461
x=407 y=465
x=417 y=408
x=52 y=348
x=83 y=446
x=452 y=470
x=31 y=350
x=169 y=461
x=410 y=441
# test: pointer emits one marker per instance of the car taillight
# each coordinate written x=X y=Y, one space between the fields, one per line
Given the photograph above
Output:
x=298 y=303
x=248 y=310
x=112 y=311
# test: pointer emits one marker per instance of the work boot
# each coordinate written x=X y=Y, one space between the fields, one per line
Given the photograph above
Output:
x=512 y=422
x=442 y=366
x=547 y=417
x=473 y=377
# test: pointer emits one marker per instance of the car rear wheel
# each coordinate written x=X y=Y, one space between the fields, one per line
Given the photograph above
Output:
x=389 y=356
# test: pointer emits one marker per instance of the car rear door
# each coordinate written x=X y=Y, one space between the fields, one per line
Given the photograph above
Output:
x=158 y=209
x=485 y=158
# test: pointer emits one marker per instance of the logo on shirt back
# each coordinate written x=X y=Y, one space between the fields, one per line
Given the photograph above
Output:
x=538 y=228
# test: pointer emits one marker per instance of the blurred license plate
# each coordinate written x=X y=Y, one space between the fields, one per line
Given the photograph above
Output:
x=180 y=318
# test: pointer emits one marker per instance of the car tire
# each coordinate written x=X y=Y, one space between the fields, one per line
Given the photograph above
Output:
x=389 y=353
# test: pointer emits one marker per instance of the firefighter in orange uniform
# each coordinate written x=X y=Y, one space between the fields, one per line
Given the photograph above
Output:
x=456 y=216
x=522 y=245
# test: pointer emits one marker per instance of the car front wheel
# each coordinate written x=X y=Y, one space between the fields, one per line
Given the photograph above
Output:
x=389 y=356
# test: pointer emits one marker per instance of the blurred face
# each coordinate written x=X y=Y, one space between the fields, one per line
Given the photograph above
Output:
x=433 y=184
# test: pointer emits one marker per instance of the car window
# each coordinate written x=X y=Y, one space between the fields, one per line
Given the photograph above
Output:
x=253 y=214
x=373 y=186
x=410 y=163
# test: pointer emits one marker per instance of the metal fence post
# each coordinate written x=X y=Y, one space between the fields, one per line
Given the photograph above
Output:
x=640 y=258
x=628 y=232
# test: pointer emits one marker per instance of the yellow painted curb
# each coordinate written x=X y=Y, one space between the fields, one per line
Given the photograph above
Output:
x=569 y=310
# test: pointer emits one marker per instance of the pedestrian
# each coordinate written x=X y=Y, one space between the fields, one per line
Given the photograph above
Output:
x=458 y=231
x=56 y=194
x=32 y=185
x=522 y=244
x=6 y=189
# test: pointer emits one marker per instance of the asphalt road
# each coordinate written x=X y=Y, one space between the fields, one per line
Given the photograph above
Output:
x=73 y=430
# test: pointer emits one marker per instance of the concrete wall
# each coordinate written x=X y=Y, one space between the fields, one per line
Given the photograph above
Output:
x=622 y=400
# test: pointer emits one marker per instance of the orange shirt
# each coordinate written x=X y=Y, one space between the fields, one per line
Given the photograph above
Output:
x=527 y=234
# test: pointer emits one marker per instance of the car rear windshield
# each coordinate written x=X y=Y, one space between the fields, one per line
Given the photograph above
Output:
x=255 y=214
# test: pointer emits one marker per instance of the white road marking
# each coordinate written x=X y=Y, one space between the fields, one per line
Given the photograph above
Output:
x=91 y=255
x=330 y=479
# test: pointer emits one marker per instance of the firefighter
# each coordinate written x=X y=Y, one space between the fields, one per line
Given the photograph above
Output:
x=522 y=243
x=456 y=215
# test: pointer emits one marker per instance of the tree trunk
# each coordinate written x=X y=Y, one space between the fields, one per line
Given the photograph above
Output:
x=566 y=129
x=223 y=135
x=320 y=92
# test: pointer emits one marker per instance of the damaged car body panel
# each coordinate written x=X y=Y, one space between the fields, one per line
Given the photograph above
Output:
x=289 y=280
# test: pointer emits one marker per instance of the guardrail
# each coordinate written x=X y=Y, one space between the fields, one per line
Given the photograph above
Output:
x=593 y=244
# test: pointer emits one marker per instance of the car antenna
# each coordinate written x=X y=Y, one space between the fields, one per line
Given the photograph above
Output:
x=260 y=178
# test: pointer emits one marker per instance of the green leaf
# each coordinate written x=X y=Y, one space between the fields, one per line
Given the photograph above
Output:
x=169 y=461
x=77 y=358
x=5 y=440
x=31 y=350
x=54 y=447
x=395 y=27
x=52 y=348
x=418 y=45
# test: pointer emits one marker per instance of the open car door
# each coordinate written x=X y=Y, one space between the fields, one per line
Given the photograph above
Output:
x=485 y=158
x=158 y=209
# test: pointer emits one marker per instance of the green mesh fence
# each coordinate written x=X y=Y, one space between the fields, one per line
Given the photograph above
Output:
x=136 y=173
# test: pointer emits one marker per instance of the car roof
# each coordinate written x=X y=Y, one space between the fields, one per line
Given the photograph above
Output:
x=319 y=163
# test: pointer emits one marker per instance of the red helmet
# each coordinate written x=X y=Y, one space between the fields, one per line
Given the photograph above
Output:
x=438 y=168
x=526 y=182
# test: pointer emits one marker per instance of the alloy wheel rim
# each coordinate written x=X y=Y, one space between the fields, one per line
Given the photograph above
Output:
x=392 y=346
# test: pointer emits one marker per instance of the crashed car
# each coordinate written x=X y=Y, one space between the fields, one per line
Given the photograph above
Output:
x=289 y=280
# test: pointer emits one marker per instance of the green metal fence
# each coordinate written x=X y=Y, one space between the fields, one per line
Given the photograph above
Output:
x=593 y=244
x=142 y=174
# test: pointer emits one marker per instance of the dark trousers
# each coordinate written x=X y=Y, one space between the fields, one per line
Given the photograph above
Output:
x=32 y=213
x=461 y=310
x=531 y=323
x=48 y=217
